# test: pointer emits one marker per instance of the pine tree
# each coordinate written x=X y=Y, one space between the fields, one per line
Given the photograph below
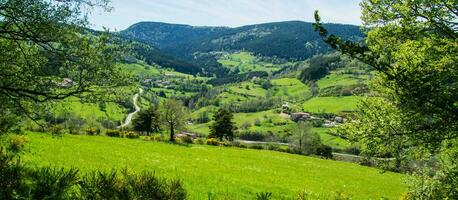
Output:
x=223 y=127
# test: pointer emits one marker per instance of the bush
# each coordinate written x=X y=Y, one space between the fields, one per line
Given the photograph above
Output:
x=273 y=147
x=158 y=138
x=352 y=150
x=212 y=141
x=131 y=135
x=186 y=139
x=92 y=131
x=264 y=196
x=20 y=182
x=257 y=122
x=252 y=136
x=324 y=151
x=56 y=130
x=17 y=142
x=51 y=183
x=113 y=133
x=200 y=141
x=256 y=146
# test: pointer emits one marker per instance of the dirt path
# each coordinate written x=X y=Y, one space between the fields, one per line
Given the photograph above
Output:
x=137 y=109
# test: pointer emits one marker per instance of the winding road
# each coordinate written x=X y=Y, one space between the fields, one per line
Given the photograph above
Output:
x=137 y=109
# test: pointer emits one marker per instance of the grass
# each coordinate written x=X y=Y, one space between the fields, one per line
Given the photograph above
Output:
x=112 y=111
x=220 y=171
x=246 y=62
x=290 y=87
x=140 y=69
x=331 y=140
x=331 y=104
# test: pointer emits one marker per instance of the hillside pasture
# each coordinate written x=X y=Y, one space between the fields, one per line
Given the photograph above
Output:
x=215 y=171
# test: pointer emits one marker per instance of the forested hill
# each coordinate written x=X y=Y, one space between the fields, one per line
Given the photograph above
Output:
x=289 y=40
x=163 y=35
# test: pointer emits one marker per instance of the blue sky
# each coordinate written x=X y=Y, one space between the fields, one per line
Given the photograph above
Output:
x=231 y=13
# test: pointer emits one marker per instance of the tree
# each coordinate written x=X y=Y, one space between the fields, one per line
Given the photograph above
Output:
x=303 y=140
x=173 y=115
x=413 y=47
x=148 y=121
x=48 y=54
x=223 y=127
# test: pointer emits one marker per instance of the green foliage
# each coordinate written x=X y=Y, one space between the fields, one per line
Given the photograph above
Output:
x=412 y=45
x=174 y=115
x=186 y=139
x=51 y=183
x=147 y=121
x=304 y=140
x=439 y=183
x=291 y=40
x=223 y=126
x=320 y=66
x=56 y=130
x=92 y=131
x=131 y=135
x=212 y=141
x=48 y=54
x=264 y=196
x=114 y=133
x=17 y=142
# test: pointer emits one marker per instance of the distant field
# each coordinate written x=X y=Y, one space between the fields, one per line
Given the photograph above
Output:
x=112 y=111
x=216 y=171
x=331 y=104
x=246 y=62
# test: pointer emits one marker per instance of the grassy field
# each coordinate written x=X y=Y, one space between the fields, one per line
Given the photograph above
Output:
x=220 y=171
x=331 y=104
x=246 y=62
x=112 y=111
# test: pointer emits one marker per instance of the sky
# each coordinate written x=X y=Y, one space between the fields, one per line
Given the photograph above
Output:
x=232 y=13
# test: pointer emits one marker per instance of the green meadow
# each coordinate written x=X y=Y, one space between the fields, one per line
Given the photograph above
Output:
x=215 y=171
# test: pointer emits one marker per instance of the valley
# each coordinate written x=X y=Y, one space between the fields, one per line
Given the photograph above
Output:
x=224 y=100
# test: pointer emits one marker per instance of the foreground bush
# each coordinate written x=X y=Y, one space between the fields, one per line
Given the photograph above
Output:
x=17 y=142
x=131 y=135
x=114 y=133
x=20 y=182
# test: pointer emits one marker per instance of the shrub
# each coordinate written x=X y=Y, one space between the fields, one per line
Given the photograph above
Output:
x=200 y=141
x=352 y=150
x=252 y=136
x=17 y=142
x=51 y=183
x=264 y=196
x=20 y=182
x=212 y=141
x=273 y=147
x=113 y=133
x=100 y=185
x=92 y=131
x=257 y=122
x=186 y=139
x=256 y=146
x=131 y=135
x=324 y=151
x=158 y=138
x=56 y=130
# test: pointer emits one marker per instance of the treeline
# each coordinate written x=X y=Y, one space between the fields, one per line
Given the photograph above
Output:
x=237 y=78
x=255 y=105
x=293 y=40
x=320 y=66
x=153 y=56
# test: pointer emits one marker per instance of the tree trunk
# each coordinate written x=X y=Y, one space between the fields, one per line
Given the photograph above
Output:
x=172 y=133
